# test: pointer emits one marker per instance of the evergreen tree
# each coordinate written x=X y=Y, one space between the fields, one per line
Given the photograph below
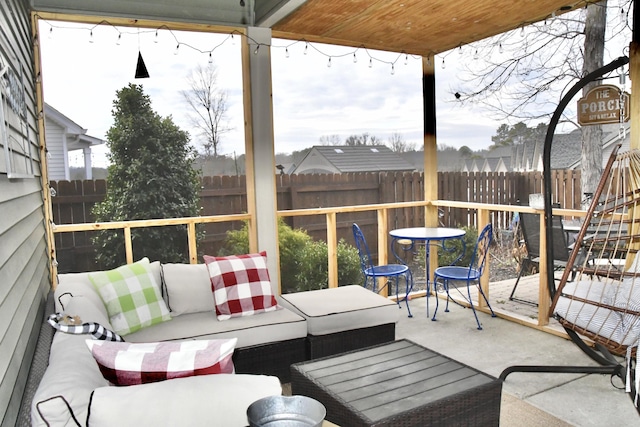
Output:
x=150 y=177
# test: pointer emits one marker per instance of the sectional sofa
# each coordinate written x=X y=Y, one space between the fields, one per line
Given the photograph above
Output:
x=268 y=335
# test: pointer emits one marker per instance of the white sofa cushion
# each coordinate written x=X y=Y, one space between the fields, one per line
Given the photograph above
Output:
x=263 y=328
x=340 y=309
x=78 y=284
x=65 y=389
x=188 y=288
x=192 y=401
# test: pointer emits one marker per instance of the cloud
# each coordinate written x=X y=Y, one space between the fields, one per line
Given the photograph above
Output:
x=310 y=99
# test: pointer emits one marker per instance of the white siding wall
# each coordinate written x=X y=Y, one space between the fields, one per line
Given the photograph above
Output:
x=56 y=151
x=24 y=275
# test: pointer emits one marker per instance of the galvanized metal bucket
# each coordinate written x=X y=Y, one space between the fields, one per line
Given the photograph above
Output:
x=286 y=411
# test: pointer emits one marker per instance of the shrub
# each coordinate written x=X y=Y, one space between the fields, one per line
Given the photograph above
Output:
x=303 y=261
x=454 y=248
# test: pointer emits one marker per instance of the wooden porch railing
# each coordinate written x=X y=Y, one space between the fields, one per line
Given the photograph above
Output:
x=483 y=214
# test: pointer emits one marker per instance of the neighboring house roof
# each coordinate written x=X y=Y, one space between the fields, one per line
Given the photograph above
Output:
x=63 y=135
x=494 y=164
x=566 y=148
x=77 y=135
x=346 y=158
x=610 y=138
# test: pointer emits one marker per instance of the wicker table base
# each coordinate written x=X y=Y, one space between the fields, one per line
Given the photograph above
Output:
x=399 y=384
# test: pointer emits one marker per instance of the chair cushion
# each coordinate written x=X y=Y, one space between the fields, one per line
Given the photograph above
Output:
x=340 y=309
x=124 y=363
x=241 y=285
x=132 y=296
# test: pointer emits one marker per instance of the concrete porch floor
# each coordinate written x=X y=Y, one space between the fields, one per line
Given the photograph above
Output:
x=576 y=399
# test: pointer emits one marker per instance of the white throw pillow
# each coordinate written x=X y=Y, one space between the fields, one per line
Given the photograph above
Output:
x=188 y=288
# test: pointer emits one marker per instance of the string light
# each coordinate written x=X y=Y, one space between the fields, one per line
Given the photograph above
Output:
x=306 y=47
x=155 y=33
x=393 y=69
x=50 y=32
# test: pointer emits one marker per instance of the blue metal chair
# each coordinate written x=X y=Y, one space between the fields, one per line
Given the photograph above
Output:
x=388 y=271
x=471 y=274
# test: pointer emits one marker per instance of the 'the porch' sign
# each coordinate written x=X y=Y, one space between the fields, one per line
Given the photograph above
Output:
x=601 y=105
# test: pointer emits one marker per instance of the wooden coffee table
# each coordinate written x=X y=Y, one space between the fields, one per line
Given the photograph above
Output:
x=399 y=384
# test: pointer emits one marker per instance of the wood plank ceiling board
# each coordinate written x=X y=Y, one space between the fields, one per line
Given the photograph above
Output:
x=418 y=27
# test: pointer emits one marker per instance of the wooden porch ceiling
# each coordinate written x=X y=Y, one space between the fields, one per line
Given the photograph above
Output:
x=419 y=27
x=413 y=26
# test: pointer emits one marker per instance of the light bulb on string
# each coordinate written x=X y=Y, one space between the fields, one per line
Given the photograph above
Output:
x=522 y=31
x=155 y=40
x=370 y=62
x=406 y=59
x=500 y=48
x=460 y=50
x=443 y=66
x=255 y=52
x=210 y=57
x=329 y=63
x=50 y=32
x=429 y=60
x=91 y=36
x=393 y=69
x=175 y=52
x=119 y=39
x=306 y=47
x=355 y=58
x=233 y=41
x=476 y=55
x=286 y=52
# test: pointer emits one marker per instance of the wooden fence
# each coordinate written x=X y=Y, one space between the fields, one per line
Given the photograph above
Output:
x=224 y=195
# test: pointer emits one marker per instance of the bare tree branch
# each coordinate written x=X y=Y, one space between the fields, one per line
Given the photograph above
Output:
x=208 y=107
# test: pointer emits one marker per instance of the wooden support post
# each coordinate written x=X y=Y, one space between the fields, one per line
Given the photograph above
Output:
x=332 y=247
x=483 y=220
x=430 y=152
x=544 y=299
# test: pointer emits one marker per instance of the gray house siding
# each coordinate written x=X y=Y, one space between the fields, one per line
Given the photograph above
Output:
x=24 y=275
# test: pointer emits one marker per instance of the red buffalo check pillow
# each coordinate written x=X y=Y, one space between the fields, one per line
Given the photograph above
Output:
x=240 y=285
x=123 y=363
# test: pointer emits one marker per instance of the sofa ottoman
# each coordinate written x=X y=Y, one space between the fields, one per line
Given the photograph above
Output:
x=343 y=319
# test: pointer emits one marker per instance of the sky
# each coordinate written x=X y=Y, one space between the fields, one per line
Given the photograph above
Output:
x=83 y=66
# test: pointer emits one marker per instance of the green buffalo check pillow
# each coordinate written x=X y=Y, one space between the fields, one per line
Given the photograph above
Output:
x=132 y=297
